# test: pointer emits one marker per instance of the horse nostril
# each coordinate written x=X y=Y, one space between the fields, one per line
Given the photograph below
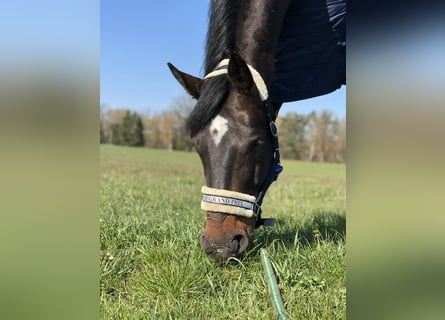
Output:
x=240 y=241
x=222 y=249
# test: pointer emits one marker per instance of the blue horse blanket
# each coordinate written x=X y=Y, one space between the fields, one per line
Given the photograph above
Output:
x=310 y=59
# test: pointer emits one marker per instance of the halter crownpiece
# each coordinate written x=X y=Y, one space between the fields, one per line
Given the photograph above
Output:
x=222 y=66
x=237 y=203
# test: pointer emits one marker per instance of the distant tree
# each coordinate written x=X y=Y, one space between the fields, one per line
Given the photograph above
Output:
x=128 y=132
x=108 y=119
x=167 y=130
x=340 y=146
x=115 y=134
x=292 y=135
x=326 y=138
x=317 y=138
x=104 y=138
x=152 y=132
x=102 y=134
x=181 y=108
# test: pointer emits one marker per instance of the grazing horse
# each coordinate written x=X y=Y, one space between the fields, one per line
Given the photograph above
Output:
x=232 y=125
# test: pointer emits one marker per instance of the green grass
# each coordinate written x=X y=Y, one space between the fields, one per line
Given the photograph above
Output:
x=152 y=266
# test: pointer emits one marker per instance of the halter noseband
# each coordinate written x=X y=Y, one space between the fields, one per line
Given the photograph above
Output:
x=237 y=203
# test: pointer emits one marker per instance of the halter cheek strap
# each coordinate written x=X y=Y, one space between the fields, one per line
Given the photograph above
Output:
x=237 y=203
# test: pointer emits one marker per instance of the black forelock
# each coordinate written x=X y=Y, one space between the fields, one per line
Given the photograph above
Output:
x=209 y=104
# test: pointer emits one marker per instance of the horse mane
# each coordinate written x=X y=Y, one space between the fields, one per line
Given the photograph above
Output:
x=223 y=16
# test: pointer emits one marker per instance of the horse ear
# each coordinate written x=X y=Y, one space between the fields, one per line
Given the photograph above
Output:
x=190 y=83
x=239 y=74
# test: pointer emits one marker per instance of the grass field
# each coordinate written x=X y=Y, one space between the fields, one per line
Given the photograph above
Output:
x=152 y=266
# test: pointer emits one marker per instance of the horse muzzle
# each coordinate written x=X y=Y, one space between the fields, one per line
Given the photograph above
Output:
x=230 y=245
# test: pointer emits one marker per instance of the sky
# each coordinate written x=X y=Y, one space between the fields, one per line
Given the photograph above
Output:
x=53 y=33
x=139 y=37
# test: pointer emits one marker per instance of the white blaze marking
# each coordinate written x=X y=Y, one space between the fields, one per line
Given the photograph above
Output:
x=218 y=128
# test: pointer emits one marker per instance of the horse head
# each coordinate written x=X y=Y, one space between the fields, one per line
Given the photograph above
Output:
x=233 y=132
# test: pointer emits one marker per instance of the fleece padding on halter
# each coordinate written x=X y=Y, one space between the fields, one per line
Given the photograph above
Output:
x=230 y=202
x=221 y=68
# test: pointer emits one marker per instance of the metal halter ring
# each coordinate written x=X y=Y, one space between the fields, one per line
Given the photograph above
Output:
x=273 y=129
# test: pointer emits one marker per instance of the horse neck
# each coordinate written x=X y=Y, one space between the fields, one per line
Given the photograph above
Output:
x=249 y=28
x=259 y=26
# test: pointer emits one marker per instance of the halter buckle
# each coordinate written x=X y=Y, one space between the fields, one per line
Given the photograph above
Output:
x=256 y=210
x=273 y=129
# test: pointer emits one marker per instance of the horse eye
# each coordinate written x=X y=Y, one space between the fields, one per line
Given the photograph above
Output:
x=256 y=143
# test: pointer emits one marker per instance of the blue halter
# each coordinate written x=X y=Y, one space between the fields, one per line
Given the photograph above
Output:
x=275 y=168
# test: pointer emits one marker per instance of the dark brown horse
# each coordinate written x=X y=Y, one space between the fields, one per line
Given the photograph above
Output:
x=232 y=124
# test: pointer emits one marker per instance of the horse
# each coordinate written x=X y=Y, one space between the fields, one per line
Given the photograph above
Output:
x=232 y=125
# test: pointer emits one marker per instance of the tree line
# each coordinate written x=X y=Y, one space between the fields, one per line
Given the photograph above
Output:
x=309 y=137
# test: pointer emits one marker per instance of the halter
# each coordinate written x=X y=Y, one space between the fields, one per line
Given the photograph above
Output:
x=237 y=203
